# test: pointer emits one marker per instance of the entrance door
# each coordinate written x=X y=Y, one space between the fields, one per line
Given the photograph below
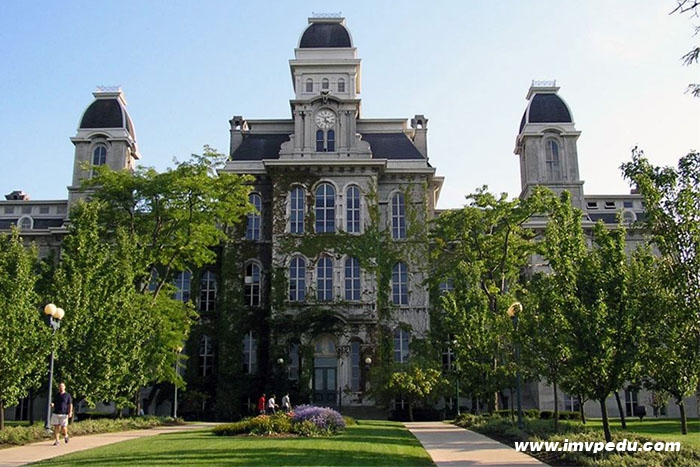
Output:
x=325 y=386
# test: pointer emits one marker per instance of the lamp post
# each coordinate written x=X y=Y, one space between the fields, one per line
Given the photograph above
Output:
x=177 y=372
x=55 y=315
x=513 y=310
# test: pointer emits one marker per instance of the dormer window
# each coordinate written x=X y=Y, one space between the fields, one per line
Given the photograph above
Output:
x=25 y=223
x=341 y=85
x=99 y=157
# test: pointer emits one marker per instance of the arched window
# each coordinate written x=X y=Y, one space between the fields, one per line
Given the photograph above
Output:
x=25 y=223
x=252 y=285
x=99 y=156
x=182 y=284
x=293 y=367
x=319 y=141
x=324 y=279
x=552 y=160
x=250 y=350
x=309 y=85
x=324 y=84
x=297 y=280
x=401 y=340
x=352 y=210
x=325 y=208
x=355 y=366
x=252 y=231
x=352 y=279
x=341 y=85
x=207 y=292
x=206 y=355
x=398 y=216
x=399 y=284
x=330 y=143
x=296 y=211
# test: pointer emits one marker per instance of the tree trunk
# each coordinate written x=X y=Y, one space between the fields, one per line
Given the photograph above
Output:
x=580 y=409
x=2 y=414
x=620 y=409
x=556 y=408
x=410 y=411
x=31 y=398
x=512 y=411
x=684 y=420
x=606 y=422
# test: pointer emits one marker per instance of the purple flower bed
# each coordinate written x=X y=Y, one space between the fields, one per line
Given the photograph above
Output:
x=326 y=419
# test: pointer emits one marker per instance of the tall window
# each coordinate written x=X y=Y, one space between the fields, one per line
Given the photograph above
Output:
x=552 y=160
x=341 y=85
x=324 y=84
x=325 y=208
x=352 y=210
x=206 y=355
x=182 y=286
x=355 y=366
x=398 y=216
x=330 y=141
x=99 y=156
x=252 y=285
x=352 y=279
x=252 y=231
x=399 y=284
x=631 y=400
x=571 y=403
x=294 y=362
x=401 y=339
x=207 y=292
x=297 y=280
x=448 y=358
x=309 y=85
x=296 y=211
x=320 y=140
x=324 y=279
x=250 y=350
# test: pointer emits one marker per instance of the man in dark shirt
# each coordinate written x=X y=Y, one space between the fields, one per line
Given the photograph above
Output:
x=62 y=411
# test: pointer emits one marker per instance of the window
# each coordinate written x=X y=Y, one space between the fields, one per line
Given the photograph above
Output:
x=309 y=85
x=294 y=362
x=627 y=204
x=250 y=350
x=207 y=292
x=25 y=223
x=206 y=355
x=252 y=285
x=398 y=216
x=352 y=210
x=631 y=397
x=330 y=143
x=297 y=280
x=182 y=284
x=571 y=403
x=399 y=283
x=43 y=209
x=446 y=286
x=354 y=366
x=592 y=205
x=341 y=85
x=26 y=209
x=552 y=160
x=9 y=209
x=629 y=216
x=320 y=140
x=296 y=211
x=324 y=280
x=448 y=359
x=324 y=84
x=352 y=279
x=401 y=339
x=325 y=208
x=252 y=231
x=99 y=156
x=610 y=205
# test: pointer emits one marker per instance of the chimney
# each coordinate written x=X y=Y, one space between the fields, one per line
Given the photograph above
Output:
x=420 y=134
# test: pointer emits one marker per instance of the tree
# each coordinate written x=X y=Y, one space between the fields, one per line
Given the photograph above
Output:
x=415 y=384
x=685 y=6
x=23 y=335
x=672 y=203
x=482 y=248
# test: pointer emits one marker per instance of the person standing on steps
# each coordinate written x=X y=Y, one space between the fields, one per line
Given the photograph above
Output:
x=62 y=410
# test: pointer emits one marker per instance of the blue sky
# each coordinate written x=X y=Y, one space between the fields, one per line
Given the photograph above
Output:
x=186 y=67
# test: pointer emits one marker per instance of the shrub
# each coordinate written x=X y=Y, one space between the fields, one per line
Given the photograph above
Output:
x=306 y=420
x=546 y=414
x=327 y=420
x=532 y=413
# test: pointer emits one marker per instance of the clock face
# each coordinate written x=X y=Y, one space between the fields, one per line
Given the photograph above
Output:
x=325 y=119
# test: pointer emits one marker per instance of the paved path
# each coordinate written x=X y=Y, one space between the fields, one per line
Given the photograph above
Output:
x=36 y=452
x=450 y=445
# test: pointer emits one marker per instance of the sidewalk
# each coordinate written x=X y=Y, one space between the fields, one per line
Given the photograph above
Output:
x=450 y=445
x=36 y=452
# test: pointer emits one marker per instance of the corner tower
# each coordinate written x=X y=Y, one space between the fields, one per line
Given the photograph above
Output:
x=105 y=136
x=546 y=144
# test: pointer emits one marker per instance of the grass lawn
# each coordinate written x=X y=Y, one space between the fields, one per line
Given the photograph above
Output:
x=368 y=443
x=662 y=428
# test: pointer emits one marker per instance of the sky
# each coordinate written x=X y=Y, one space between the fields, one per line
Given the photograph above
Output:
x=187 y=67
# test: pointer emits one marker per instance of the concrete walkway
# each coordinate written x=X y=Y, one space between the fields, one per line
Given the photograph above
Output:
x=450 y=445
x=36 y=452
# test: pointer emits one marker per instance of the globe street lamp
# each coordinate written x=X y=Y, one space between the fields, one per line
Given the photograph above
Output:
x=55 y=315
x=513 y=310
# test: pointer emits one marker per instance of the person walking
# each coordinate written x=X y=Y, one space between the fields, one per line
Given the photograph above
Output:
x=62 y=410
x=261 y=404
x=271 y=405
x=286 y=404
